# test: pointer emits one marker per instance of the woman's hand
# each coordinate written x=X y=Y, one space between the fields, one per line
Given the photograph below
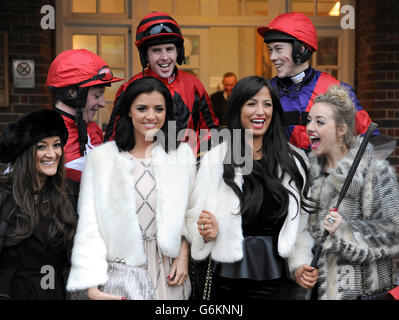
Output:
x=95 y=294
x=208 y=226
x=179 y=271
x=332 y=221
x=306 y=276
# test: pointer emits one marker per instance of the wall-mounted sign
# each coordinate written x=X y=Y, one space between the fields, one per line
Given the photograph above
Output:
x=23 y=73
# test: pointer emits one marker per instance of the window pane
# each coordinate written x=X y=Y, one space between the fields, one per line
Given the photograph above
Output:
x=161 y=5
x=332 y=71
x=327 y=54
x=191 y=50
x=113 y=7
x=188 y=7
x=257 y=7
x=193 y=71
x=113 y=50
x=109 y=95
x=230 y=7
x=110 y=92
x=84 y=41
x=328 y=8
x=104 y=114
x=304 y=6
x=84 y=6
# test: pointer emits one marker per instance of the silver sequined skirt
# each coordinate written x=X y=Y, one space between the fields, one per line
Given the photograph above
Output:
x=134 y=283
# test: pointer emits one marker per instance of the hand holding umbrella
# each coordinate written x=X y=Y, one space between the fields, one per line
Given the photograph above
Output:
x=332 y=221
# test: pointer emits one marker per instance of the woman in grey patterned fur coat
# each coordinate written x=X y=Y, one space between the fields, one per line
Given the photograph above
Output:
x=364 y=233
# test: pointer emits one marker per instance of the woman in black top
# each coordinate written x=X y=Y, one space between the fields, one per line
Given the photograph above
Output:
x=37 y=219
x=255 y=210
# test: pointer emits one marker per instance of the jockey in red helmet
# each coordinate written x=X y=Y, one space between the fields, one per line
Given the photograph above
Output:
x=159 y=28
x=292 y=39
x=77 y=78
x=160 y=44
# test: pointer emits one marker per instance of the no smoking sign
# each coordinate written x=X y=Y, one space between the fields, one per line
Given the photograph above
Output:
x=24 y=73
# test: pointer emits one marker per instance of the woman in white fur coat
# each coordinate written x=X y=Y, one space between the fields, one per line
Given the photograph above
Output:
x=249 y=219
x=364 y=234
x=133 y=199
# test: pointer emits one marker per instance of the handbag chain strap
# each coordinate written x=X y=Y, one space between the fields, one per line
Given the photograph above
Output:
x=363 y=275
x=208 y=281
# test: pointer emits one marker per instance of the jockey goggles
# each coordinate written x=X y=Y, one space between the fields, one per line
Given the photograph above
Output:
x=159 y=29
x=104 y=74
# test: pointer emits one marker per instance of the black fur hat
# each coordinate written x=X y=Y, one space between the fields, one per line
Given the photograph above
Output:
x=28 y=130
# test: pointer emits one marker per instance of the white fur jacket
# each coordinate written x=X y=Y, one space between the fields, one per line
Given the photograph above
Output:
x=212 y=194
x=108 y=226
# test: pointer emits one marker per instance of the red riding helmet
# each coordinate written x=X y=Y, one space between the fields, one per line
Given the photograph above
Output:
x=294 y=24
x=158 y=28
x=82 y=69
x=292 y=27
x=79 y=67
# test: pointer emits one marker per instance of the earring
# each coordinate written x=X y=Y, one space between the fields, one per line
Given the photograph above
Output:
x=342 y=145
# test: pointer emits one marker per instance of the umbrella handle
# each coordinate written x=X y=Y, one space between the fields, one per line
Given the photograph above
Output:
x=317 y=253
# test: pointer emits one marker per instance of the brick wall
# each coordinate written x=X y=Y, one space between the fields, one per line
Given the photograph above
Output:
x=377 y=68
x=27 y=40
x=377 y=64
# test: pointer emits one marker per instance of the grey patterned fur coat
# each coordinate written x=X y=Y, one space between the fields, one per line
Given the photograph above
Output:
x=369 y=233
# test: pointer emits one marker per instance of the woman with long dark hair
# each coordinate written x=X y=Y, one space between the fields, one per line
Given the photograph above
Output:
x=37 y=219
x=254 y=210
x=133 y=200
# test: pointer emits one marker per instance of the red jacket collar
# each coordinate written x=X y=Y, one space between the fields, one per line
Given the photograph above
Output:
x=166 y=81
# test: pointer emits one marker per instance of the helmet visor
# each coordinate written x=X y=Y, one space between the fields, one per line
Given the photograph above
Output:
x=158 y=29
x=104 y=75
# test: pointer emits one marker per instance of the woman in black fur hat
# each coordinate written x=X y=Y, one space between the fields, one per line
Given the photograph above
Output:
x=37 y=220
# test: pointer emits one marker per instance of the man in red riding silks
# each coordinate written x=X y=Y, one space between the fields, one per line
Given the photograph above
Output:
x=77 y=79
x=160 y=44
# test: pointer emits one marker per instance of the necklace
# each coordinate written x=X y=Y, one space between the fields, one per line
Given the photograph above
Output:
x=36 y=199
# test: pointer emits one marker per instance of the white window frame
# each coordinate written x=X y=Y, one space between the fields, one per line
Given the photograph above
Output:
x=136 y=9
x=204 y=53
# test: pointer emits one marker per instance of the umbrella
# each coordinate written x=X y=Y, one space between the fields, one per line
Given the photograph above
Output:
x=383 y=146
x=345 y=187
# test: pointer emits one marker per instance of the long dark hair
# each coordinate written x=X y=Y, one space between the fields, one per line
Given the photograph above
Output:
x=277 y=155
x=124 y=130
x=22 y=182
